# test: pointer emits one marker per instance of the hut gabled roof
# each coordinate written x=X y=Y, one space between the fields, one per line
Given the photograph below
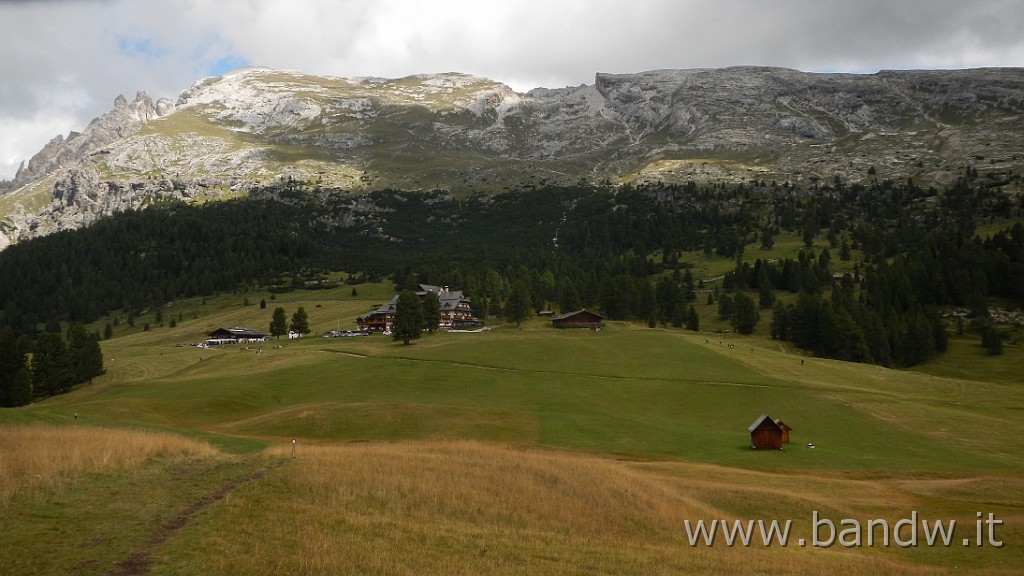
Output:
x=761 y=420
x=575 y=312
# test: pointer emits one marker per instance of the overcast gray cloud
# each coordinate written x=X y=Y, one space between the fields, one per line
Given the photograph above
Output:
x=63 y=62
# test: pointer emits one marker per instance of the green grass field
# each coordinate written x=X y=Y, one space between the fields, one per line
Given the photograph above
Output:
x=513 y=451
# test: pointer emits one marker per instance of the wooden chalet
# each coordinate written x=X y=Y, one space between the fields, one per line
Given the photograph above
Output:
x=380 y=319
x=236 y=335
x=765 y=434
x=456 y=311
x=785 y=430
x=578 y=319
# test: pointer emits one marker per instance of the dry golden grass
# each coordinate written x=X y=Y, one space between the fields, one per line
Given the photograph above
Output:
x=34 y=456
x=457 y=507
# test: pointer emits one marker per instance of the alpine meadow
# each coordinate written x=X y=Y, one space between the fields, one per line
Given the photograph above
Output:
x=741 y=320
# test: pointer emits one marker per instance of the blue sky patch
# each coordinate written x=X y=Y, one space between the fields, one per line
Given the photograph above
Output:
x=139 y=47
x=226 y=64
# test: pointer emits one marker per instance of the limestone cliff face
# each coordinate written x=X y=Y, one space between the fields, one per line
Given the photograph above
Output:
x=228 y=134
x=121 y=121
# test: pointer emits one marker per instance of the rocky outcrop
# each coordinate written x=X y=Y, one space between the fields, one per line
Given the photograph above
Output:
x=466 y=134
x=122 y=120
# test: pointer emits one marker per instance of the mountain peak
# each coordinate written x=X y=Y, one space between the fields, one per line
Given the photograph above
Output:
x=254 y=125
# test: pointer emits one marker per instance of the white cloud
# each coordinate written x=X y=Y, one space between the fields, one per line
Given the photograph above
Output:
x=97 y=49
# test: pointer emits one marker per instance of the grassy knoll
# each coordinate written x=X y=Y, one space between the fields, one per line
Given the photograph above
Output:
x=514 y=451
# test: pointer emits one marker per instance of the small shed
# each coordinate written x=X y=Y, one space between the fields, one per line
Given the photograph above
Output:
x=578 y=319
x=765 y=434
x=785 y=430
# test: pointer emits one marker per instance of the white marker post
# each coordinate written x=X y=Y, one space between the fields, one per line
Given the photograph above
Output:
x=293 y=447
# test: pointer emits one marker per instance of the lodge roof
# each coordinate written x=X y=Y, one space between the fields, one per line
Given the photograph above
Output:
x=449 y=299
x=239 y=332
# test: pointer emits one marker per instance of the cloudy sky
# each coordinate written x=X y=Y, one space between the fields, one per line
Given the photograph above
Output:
x=64 y=61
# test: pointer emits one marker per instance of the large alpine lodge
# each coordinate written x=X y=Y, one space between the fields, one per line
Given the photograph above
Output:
x=456 y=311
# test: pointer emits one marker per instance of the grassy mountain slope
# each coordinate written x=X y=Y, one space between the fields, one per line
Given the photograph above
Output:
x=515 y=451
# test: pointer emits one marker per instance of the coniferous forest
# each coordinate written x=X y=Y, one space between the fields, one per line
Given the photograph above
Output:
x=619 y=250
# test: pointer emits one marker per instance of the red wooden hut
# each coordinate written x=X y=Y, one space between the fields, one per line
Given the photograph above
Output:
x=765 y=434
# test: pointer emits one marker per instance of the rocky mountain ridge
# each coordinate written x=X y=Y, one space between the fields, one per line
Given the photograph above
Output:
x=254 y=127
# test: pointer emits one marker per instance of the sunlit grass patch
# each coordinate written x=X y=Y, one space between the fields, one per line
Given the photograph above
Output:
x=38 y=455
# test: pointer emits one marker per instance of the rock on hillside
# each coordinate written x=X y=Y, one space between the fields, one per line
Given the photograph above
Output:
x=254 y=126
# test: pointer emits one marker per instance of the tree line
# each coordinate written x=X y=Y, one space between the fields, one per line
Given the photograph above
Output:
x=618 y=250
x=49 y=364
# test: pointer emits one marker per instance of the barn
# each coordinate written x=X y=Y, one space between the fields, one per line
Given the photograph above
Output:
x=234 y=336
x=765 y=434
x=578 y=319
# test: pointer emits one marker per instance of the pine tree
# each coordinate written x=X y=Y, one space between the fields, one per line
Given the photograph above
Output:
x=278 y=323
x=765 y=294
x=517 y=306
x=85 y=357
x=51 y=370
x=780 y=322
x=692 y=319
x=991 y=340
x=300 y=321
x=646 y=305
x=11 y=362
x=667 y=298
x=745 y=315
x=689 y=291
x=431 y=312
x=21 y=390
x=725 y=307
x=844 y=251
x=408 y=323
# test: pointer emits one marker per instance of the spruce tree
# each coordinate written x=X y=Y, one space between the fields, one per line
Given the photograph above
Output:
x=569 y=301
x=51 y=369
x=517 y=306
x=991 y=340
x=692 y=319
x=21 y=390
x=725 y=307
x=300 y=321
x=84 y=354
x=278 y=323
x=11 y=362
x=765 y=294
x=780 y=322
x=431 y=312
x=408 y=323
x=745 y=315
